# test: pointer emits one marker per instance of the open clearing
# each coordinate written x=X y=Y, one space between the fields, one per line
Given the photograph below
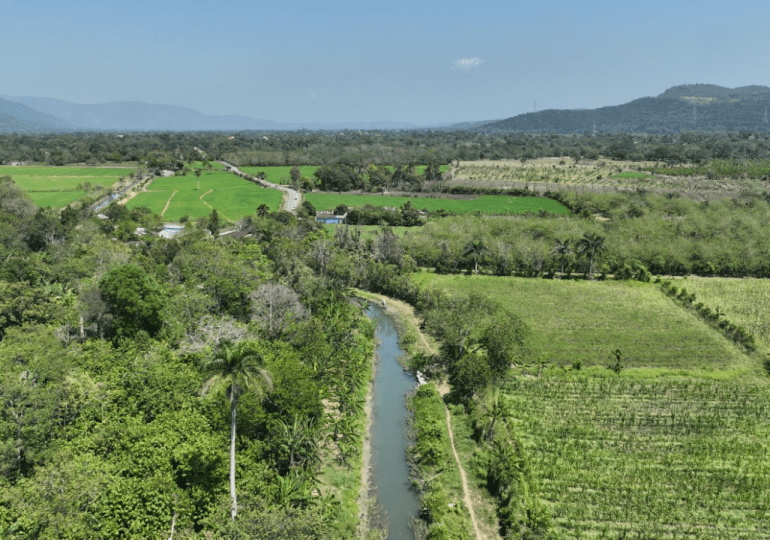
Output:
x=487 y=204
x=58 y=186
x=233 y=197
x=578 y=320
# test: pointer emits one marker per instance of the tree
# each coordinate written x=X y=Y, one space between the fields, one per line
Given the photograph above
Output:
x=563 y=250
x=198 y=176
x=134 y=299
x=237 y=367
x=476 y=249
x=275 y=307
x=263 y=210
x=214 y=223
x=591 y=245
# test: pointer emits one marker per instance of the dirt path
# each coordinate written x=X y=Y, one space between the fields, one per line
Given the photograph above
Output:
x=466 y=494
x=168 y=203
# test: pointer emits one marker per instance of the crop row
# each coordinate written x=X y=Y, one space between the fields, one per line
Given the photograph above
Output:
x=648 y=459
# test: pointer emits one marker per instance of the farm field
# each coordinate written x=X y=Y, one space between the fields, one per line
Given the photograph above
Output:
x=676 y=445
x=487 y=204
x=619 y=457
x=233 y=197
x=58 y=186
x=367 y=231
x=578 y=320
x=744 y=301
x=603 y=175
x=279 y=175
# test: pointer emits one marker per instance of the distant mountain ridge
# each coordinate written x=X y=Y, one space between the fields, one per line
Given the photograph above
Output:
x=16 y=117
x=685 y=107
x=141 y=116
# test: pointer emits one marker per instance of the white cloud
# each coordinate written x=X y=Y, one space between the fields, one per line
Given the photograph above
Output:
x=467 y=63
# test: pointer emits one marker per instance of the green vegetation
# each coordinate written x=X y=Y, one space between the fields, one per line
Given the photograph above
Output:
x=618 y=456
x=280 y=175
x=632 y=174
x=745 y=302
x=486 y=204
x=233 y=197
x=59 y=186
x=582 y=321
x=442 y=508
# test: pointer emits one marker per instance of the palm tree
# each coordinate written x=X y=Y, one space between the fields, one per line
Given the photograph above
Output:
x=263 y=210
x=591 y=245
x=477 y=249
x=236 y=367
x=563 y=250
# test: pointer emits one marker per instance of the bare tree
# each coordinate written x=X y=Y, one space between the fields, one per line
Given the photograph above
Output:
x=275 y=307
x=213 y=331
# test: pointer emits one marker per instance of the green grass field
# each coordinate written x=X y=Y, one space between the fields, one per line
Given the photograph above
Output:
x=233 y=197
x=586 y=320
x=633 y=174
x=280 y=175
x=745 y=302
x=487 y=204
x=57 y=186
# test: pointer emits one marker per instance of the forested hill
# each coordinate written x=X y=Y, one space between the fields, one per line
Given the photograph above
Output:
x=18 y=118
x=681 y=108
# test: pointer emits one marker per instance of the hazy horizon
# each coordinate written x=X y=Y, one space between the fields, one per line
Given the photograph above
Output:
x=418 y=62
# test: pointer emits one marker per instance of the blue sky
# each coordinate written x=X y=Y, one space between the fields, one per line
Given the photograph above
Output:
x=417 y=61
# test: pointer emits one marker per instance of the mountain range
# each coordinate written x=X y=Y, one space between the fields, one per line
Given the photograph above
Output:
x=685 y=107
x=705 y=107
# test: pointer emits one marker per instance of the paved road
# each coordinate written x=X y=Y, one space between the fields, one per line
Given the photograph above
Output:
x=293 y=197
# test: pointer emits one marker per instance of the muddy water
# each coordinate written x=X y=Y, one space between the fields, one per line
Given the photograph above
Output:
x=395 y=494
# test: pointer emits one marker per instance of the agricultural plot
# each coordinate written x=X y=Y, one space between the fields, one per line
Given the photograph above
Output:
x=618 y=457
x=584 y=321
x=745 y=302
x=487 y=204
x=279 y=175
x=232 y=196
x=595 y=176
x=59 y=186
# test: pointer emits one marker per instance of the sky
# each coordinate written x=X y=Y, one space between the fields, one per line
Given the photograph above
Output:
x=424 y=62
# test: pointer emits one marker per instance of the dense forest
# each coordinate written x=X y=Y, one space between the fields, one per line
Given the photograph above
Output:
x=358 y=149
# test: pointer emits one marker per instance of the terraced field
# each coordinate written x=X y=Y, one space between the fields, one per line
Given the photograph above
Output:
x=233 y=197
x=487 y=204
x=59 y=186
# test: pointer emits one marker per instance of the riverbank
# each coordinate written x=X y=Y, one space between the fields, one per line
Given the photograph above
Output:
x=480 y=506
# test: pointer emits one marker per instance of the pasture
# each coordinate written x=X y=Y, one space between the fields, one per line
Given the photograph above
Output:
x=59 y=186
x=233 y=197
x=486 y=204
x=584 y=321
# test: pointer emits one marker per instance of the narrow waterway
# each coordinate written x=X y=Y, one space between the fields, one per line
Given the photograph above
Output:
x=392 y=384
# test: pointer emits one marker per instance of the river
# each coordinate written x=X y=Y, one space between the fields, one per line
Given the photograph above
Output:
x=395 y=494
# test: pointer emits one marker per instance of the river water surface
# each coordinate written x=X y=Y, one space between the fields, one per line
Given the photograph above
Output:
x=395 y=494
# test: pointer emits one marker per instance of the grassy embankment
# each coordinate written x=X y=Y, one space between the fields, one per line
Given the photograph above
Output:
x=675 y=445
x=486 y=204
x=232 y=196
x=59 y=186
